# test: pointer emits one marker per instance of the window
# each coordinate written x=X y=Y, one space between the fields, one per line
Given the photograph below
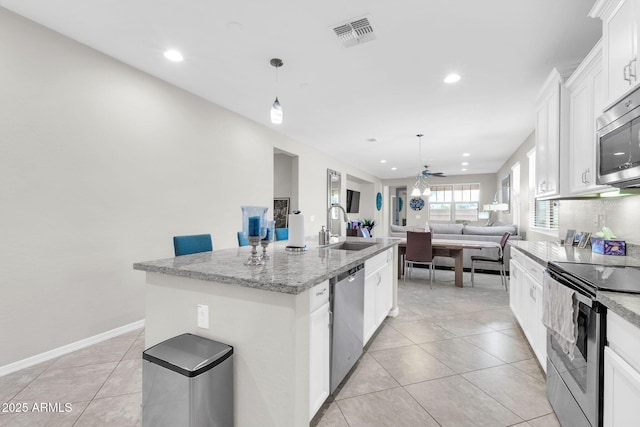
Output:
x=542 y=213
x=454 y=202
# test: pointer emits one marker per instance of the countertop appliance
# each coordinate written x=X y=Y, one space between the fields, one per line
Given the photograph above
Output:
x=618 y=151
x=347 y=306
x=574 y=387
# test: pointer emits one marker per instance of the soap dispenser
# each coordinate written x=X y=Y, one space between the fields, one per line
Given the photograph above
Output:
x=322 y=237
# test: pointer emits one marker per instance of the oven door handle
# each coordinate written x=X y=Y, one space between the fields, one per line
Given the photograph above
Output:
x=586 y=300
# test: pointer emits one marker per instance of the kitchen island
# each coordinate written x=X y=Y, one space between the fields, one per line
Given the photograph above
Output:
x=264 y=312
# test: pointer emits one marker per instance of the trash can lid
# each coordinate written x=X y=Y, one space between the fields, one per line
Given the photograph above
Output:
x=188 y=354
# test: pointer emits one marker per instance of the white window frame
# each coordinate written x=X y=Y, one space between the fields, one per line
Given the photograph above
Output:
x=551 y=222
x=452 y=201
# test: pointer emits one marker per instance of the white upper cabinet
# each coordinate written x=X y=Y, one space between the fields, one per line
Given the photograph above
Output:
x=586 y=101
x=551 y=129
x=620 y=30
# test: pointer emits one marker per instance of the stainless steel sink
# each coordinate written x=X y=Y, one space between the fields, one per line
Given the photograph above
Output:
x=351 y=246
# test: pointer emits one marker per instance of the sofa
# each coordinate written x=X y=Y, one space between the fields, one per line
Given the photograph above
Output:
x=491 y=233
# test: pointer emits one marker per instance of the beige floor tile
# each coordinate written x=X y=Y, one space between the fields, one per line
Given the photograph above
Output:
x=461 y=356
x=330 y=416
x=531 y=367
x=125 y=379
x=514 y=332
x=421 y=331
x=393 y=408
x=545 y=421
x=519 y=392
x=388 y=337
x=463 y=327
x=497 y=319
x=72 y=385
x=12 y=384
x=369 y=376
x=411 y=364
x=54 y=416
x=121 y=411
x=107 y=351
x=455 y=402
x=136 y=349
x=502 y=346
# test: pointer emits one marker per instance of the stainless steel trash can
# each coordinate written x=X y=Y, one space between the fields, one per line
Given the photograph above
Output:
x=187 y=381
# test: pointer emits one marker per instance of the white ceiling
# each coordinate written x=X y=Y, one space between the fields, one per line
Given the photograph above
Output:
x=337 y=98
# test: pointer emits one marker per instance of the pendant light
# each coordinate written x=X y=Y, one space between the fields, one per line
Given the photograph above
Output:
x=276 y=108
x=420 y=179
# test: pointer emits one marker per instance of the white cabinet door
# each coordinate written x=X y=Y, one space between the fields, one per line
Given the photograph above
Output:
x=551 y=125
x=369 y=319
x=539 y=330
x=319 y=358
x=619 y=34
x=383 y=293
x=586 y=101
x=621 y=391
x=516 y=289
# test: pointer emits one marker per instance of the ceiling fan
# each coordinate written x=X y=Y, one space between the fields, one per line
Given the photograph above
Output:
x=426 y=173
x=421 y=178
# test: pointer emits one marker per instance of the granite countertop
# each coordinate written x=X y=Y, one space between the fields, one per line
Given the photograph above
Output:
x=625 y=305
x=286 y=272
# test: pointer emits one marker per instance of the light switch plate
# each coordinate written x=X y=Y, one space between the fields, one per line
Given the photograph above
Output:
x=203 y=316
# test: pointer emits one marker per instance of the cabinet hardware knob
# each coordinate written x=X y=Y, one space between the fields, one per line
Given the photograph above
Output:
x=624 y=73
x=324 y=291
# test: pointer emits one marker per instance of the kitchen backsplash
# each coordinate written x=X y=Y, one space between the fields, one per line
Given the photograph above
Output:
x=619 y=214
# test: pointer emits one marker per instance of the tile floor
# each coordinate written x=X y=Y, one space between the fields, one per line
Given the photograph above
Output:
x=453 y=357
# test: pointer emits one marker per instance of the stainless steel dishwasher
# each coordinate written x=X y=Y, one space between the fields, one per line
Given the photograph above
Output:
x=347 y=306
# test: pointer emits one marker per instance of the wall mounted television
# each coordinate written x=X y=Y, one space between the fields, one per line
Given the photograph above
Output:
x=353 y=201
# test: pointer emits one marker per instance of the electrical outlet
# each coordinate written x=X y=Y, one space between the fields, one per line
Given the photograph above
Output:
x=203 y=316
x=312 y=218
x=596 y=220
x=417 y=216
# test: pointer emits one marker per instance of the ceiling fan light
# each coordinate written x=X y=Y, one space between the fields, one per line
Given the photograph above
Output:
x=276 y=112
x=415 y=192
x=426 y=192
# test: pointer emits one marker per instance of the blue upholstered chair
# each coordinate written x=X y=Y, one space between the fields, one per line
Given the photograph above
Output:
x=185 y=245
x=243 y=240
x=282 y=234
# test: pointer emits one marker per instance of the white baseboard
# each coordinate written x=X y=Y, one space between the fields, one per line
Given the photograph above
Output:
x=69 y=348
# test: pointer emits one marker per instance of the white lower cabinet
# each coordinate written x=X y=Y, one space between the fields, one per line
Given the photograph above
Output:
x=525 y=300
x=319 y=347
x=378 y=292
x=621 y=373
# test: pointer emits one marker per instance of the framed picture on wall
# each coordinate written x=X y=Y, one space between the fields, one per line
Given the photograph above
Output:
x=505 y=191
x=281 y=212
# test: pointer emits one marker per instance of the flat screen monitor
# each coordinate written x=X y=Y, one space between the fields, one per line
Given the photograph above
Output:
x=353 y=201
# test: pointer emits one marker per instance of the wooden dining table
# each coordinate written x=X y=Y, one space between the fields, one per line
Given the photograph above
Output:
x=448 y=248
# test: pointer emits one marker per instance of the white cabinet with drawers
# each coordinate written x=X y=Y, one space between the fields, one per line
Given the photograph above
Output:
x=378 y=291
x=319 y=346
x=525 y=300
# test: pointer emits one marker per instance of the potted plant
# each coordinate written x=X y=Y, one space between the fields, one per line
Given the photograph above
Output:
x=368 y=224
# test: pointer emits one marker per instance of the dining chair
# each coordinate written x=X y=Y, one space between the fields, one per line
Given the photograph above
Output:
x=185 y=245
x=495 y=260
x=243 y=240
x=419 y=251
x=282 y=234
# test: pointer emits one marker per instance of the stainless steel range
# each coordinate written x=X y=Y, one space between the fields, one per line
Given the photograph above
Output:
x=574 y=385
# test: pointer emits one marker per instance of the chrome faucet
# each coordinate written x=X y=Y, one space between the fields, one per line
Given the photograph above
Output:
x=344 y=214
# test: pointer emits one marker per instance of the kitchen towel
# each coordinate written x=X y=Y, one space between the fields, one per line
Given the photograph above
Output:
x=296 y=231
x=560 y=314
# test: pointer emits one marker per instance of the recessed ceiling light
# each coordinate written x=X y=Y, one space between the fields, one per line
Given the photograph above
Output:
x=466 y=154
x=463 y=169
x=383 y=161
x=464 y=163
x=452 y=78
x=173 y=55
x=394 y=168
x=619 y=153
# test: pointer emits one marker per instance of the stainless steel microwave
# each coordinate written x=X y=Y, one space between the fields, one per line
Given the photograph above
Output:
x=618 y=151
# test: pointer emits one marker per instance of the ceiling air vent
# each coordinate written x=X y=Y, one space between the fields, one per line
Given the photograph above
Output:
x=355 y=31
